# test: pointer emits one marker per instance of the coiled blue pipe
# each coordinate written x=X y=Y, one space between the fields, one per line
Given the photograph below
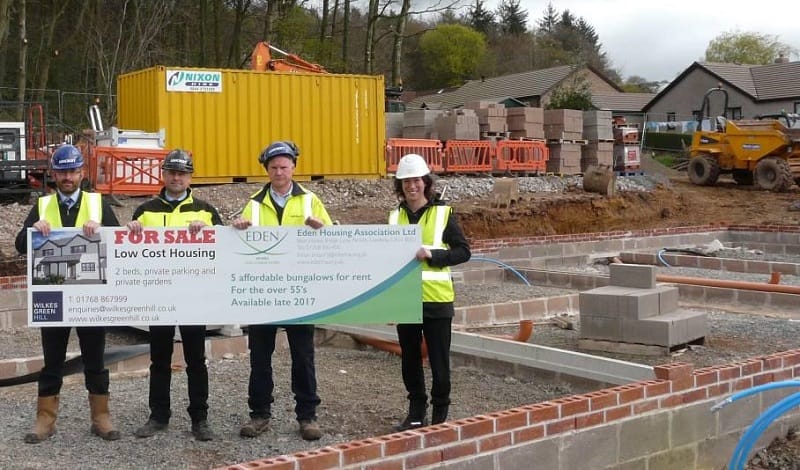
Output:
x=753 y=391
x=504 y=265
x=747 y=441
x=660 y=257
x=749 y=438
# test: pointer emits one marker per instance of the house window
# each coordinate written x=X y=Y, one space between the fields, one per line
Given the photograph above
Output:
x=797 y=107
x=671 y=117
x=47 y=252
x=735 y=113
x=77 y=249
x=88 y=267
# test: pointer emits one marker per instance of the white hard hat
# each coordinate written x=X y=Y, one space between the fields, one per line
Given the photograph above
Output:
x=411 y=166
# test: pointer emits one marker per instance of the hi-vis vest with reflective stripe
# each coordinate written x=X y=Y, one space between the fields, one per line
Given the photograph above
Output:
x=176 y=218
x=298 y=209
x=437 y=285
x=91 y=209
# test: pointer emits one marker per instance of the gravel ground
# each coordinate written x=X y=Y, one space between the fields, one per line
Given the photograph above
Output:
x=361 y=390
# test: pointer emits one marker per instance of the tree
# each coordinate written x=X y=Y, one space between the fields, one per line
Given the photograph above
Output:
x=481 y=19
x=637 y=84
x=451 y=53
x=512 y=18
x=746 y=48
x=574 y=93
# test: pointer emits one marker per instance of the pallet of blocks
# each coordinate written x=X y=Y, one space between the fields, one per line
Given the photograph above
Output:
x=491 y=117
x=563 y=124
x=598 y=131
x=565 y=158
x=627 y=154
x=525 y=123
x=457 y=124
x=418 y=123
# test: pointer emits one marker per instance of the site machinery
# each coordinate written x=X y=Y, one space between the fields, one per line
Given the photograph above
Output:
x=262 y=60
x=764 y=151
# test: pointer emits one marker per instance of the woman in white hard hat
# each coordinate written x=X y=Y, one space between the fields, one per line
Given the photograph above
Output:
x=443 y=245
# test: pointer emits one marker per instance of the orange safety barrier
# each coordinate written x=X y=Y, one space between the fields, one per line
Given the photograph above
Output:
x=468 y=156
x=429 y=149
x=131 y=171
x=521 y=155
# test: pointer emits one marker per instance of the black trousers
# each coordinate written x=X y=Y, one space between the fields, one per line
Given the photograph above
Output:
x=92 y=341
x=193 y=338
x=261 y=340
x=437 y=333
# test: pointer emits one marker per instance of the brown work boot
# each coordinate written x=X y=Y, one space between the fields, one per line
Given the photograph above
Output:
x=309 y=430
x=46 y=412
x=254 y=427
x=101 y=418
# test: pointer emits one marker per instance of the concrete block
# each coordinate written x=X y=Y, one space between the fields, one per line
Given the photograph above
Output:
x=668 y=299
x=643 y=435
x=597 y=327
x=544 y=453
x=633 y=275
x=601 y=440
x=654 y=331
x=691 y=424
x=637 y=305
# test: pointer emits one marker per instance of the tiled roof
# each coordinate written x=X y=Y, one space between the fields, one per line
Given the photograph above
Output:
x=762 y=82
x=518 y=85
x=621 y=101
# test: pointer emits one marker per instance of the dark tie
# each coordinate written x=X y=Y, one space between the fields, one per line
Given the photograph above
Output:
x=68 y=203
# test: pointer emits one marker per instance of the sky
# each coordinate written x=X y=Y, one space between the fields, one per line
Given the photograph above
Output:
x=658 y=40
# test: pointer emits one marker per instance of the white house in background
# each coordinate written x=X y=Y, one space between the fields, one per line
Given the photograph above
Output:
x=77 y=258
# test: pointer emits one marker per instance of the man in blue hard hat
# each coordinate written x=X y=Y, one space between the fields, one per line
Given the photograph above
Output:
x=282 y=202
x=70 y=206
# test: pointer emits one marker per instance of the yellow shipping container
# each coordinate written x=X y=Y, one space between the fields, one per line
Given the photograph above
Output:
x=227 y=117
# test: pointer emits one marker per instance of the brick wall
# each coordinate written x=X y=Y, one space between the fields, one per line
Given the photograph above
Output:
x=657 y=424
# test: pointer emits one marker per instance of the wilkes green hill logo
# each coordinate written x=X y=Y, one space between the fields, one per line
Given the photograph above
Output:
x=262 y=242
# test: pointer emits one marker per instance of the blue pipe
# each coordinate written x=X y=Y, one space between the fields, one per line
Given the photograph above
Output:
x=500 y=263
x=749 y=438
x=753 y=391
x=660 y=257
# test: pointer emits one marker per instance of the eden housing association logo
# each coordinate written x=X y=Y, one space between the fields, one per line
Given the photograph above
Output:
x=262 y=242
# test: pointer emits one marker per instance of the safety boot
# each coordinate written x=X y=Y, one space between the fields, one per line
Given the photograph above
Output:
x=415 y=418
x=439 y=414
x=45 y=426
x=310 y=430
x=101 y=418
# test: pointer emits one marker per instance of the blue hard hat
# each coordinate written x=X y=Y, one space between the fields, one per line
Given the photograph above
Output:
x=67 y=157
x=281 y=148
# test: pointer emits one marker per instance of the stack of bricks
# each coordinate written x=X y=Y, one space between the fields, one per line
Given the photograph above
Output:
x=563 y=124
x=634 y=314
x=458 y=124
x=418 y=123
x=565 y=158
x=491 y=117
x=563 y=129
x=597 y=130
x=626 y=148
x=525 y=123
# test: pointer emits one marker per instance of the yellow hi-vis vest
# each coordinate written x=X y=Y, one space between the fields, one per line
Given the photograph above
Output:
x=437 y=284
x=176 y=218
x=91 y=209
x=298 y=209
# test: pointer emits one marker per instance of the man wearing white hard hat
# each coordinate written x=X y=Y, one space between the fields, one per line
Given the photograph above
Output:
x=443 y=245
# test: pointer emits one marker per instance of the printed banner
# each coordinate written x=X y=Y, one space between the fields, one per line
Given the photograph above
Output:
x=356 y=274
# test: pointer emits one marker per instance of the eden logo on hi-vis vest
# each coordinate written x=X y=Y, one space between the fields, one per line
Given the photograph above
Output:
x=199 y=81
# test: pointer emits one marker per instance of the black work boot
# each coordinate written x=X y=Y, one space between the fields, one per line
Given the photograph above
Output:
x=201 y=431
x=149 y=428
x=439 y=414
x=415 y=418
